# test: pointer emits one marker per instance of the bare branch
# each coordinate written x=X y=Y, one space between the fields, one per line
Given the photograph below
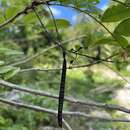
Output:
x=66 y=113
x=68 y=99
x=57 y=69
x=66 y=124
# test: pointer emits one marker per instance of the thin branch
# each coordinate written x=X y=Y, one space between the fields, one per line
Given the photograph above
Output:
x=53 y=46
x=71 y=67
x=58 y=43
x=85 y=12
x=66 y=124
x=89 y=14
x=31 y=107
x=27 y=9
x=40 y=69
x=11 y=19
x=54 y=21
x=57 y=69
x=57 y=32
x=120 y=75
x=36 y=3
x=66 y=113
x=88 y=56
x=41 y=23
x=32 y=7
x=27 y=59
x=68 y=99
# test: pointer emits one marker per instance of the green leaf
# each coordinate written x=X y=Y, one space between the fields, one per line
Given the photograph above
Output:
x=20 y=2
x=128 y=49
x=115 y=13
x=5 y=69
x=121 y=41
x=2 y=19
x=94 y=1
x=118 y=41
x=2 y=120
x=127 y=2
x=7 y=51
x=11 y=11
x=2 y=62
x=14 y=52
x=8 y=71
x=108 y=40
x=123 y=28
x=30 y=18
x=61 y=23
x=2 y=49
x=11 y=73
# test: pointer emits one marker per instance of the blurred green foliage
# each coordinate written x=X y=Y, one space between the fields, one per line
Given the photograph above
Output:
x=24 y=38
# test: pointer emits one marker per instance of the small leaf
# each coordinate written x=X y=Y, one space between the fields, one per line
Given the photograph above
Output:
x=121 y=41
x=117 y=41
x=115 y=13
x=7 y=51
x=61 y=23
x=108 y=40
x=123 y=28
x=11 y=11
x=2 y=120
x=2 y=19
x=5 y=69
x=11 y=73
x=30 y=18
x=14 y=52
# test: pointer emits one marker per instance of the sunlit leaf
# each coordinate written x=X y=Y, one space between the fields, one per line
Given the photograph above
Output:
x=115 y=13
x=61 y=23
x=123 y=28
